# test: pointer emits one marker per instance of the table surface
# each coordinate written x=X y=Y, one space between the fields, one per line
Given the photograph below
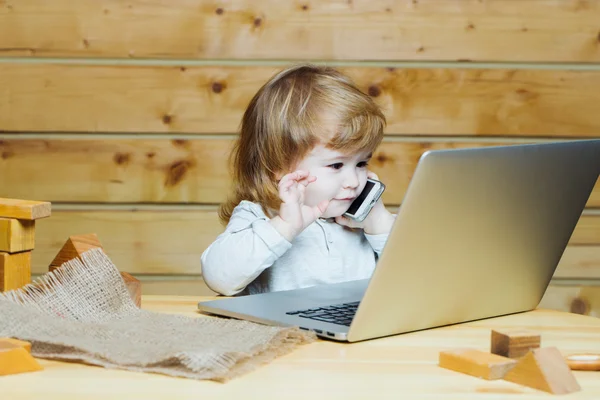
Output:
x=402 y=366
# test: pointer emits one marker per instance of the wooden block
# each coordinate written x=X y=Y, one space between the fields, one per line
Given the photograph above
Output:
x=544 y=369
x=16 y=235
x=15 y=270
x=476 y=363
x=10 y=343
x=79 y=244
x=135 y=288
x=24 y=209
x=74 y=247
x=514 y=344
x=15 y=358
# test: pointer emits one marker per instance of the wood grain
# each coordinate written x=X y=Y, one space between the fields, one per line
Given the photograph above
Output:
x=145 y=241
x=496 y=30
x=417 y=101
x=24 y=209
x=166 y=286
x=15 y=270
x=73 y=248
x=576 y=298
x=400 y=366
x=514 y=344
x=116 y=170
x=16 y=235
x=156 y=240
x=583 y=262
x=478 y=363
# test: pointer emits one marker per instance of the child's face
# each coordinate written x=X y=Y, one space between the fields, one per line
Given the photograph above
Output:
x=340 y=178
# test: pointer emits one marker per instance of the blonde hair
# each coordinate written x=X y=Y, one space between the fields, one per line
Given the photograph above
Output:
x=285 y=120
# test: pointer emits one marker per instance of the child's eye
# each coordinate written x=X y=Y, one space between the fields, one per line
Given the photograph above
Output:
x=336 y=165
x=362 y=164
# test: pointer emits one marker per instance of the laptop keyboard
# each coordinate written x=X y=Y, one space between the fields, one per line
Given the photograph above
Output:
x=340 y=314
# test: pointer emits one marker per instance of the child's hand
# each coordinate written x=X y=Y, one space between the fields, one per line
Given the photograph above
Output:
x=379 y=220
x=294 y=215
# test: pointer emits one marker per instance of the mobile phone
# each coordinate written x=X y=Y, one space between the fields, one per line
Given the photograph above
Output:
x=362 y=205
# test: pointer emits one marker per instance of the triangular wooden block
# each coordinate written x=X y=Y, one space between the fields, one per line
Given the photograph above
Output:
x=79 y=244
x=15 y=342
x=544 y=369
x=75 y=247
x=15 y=359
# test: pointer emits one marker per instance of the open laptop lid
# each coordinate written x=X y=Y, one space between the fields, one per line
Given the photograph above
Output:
x=479 y=234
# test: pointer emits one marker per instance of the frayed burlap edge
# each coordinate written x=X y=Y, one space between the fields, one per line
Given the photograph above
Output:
x=31 y=296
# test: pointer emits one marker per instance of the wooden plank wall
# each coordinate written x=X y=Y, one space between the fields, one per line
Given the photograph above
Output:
x=122 y=113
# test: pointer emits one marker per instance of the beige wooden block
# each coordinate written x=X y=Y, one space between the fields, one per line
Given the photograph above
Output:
x=515 y=343
x=544 y=369
x=134 y=286
x=476 y=363
x=15 y=358
x=16 y=235
x=15 y=270
x=74 y=247
x=24 y=209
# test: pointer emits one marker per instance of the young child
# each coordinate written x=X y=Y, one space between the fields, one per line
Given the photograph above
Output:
x=301 y=158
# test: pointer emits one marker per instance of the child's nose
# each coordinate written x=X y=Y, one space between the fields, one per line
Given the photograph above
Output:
x=351 y=181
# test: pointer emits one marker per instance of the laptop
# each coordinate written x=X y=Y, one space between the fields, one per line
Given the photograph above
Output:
x=479 y=234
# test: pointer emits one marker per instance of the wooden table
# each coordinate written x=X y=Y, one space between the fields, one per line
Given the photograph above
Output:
x=402 y=366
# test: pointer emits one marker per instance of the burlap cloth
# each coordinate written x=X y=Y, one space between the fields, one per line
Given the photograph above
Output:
x=83 y=312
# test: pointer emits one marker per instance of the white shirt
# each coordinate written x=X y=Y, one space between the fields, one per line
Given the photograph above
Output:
x=251 y=256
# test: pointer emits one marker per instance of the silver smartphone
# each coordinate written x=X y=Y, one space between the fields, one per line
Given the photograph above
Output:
x=362 y=205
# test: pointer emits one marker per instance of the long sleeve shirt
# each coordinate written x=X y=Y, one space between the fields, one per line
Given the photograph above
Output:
x=251 y=256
